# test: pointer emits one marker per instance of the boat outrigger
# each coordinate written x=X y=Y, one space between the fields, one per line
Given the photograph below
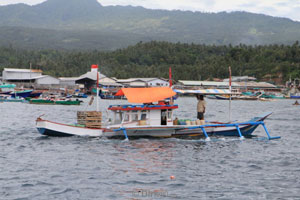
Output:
x=148 y=119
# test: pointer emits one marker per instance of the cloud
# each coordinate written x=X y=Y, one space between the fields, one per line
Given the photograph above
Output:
x=279 y=8
x=29 y=2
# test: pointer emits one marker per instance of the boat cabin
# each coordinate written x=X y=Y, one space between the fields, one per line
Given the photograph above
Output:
x=143 y=115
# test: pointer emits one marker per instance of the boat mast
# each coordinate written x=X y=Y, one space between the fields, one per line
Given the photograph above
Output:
x=97 y=93
x=30 y=66
x=230 y=94
x=170 y=83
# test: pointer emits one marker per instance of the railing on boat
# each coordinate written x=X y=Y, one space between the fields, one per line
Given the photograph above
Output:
x=141 y=107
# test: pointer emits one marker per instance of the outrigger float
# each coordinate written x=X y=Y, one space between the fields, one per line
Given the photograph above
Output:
x=149 y=120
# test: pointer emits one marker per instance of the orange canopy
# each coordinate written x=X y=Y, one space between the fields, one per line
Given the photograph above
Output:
x=146 y=95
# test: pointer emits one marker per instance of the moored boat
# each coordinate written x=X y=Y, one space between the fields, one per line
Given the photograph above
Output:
x=8 y=98
x=23 y=93
x=35 y=94
x=295 y=96
x=54 y=102
x=80 y=95
x=7 y=88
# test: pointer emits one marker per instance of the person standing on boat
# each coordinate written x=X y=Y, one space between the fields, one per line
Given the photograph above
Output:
x=201 y=107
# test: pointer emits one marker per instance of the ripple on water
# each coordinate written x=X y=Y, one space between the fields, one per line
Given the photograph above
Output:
x=39 y=167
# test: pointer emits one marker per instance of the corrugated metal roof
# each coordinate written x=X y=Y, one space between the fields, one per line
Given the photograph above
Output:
x=68 y=78
x=22 y=70
x=256 y=84
x=90 y=75
x=44 y=76
x=137 y=79
x=204 y=91
x=206 y=83
x=110 y=83
x=240 y=78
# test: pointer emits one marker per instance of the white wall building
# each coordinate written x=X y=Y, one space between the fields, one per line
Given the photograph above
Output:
x=206 y=84
x=15 y=75
x=144 y=82
x=109 y=82
x=68 y=81
x=46 y=80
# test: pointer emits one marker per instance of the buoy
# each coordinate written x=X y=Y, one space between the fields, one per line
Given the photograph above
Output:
x=172 y=177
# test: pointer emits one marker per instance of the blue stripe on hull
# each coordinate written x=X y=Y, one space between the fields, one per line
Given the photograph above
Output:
x=48 y=132
x=246 y=132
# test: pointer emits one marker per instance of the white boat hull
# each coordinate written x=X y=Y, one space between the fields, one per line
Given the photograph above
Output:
x=62 y=130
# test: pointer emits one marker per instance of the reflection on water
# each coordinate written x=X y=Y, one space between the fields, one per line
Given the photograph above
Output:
x=147 y=157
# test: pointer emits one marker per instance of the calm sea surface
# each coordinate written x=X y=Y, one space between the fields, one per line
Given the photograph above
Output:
x=37 y=167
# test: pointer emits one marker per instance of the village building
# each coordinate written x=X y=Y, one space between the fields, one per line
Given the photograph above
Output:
x=46 y=80
x=205 y=84
x=20 y=75
x=68 y=81
x=144 y=82
x=29 y=78
x=89 y=79
x=240 y=86
x=106 y=82
x=257 y=86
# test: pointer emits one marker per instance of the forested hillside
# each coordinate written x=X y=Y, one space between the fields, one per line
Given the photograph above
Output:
x=87 y=25
x=152 y=59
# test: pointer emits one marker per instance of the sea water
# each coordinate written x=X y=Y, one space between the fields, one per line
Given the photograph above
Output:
x=38 y=167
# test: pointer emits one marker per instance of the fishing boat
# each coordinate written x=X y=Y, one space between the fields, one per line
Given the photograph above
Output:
x=35 y=94
x=8 y=98
x=55 y=101
x=111 y=97
x=272 y=96
x=110 y=94
x=23 y=93
x=150 y=115
x=295 y=96
x=7 y=88
x=226 y=97
x=80 y=95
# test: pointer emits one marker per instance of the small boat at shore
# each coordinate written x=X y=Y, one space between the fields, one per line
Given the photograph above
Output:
x=111 y=97
x=8 y=98
x=80 y=95
x=23 y=93
x=295 y=96
x=35 y=94
x=55 y=102
x=7 y=88
x=242 y=97
x=148 y=119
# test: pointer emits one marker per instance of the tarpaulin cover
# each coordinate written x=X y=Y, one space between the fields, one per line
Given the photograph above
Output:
x=146 y=95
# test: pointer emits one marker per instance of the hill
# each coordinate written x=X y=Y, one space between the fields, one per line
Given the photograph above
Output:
x=153 y=59
x=73 y=24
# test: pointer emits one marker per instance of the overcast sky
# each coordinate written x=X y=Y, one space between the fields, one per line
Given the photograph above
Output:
x=279 y=8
